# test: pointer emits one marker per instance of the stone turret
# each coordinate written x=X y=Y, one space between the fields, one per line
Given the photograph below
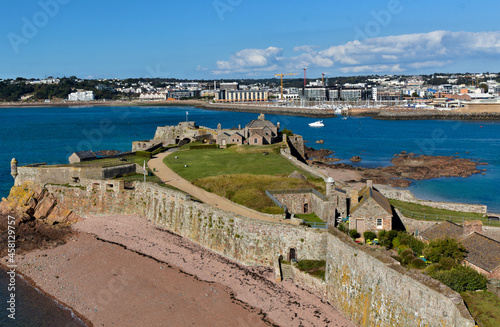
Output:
x=13 y=168
x=330 y=187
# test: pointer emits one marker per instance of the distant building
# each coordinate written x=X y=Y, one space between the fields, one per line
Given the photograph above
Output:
x=313 y=93
x=241 y=95
x=153 y=96
x=81 y=96
x=228 y=86
x=182 y=94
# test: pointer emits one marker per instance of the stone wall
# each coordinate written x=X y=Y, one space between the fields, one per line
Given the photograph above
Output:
x=295 y=203
x=64 y=175
x=408 y=196
x=372 y=289
x=313 y=284
x=286 y=154
x=245 y=240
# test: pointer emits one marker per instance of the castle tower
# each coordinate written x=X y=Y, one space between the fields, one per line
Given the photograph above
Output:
x=13 y=168
x=330 y=187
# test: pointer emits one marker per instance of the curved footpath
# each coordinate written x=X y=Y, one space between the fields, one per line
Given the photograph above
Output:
x=168 y=176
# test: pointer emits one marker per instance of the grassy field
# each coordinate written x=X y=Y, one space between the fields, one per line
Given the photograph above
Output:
x=234 y=160
x=241 y=174
x=310 y=217
x=249 y=190
x=484 y=307
x=418 y=211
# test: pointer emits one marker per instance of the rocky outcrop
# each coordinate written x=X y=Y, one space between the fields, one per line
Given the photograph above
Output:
x=355 y=159
x=30 y=201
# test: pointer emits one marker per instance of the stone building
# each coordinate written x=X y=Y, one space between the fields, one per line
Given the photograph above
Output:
x=483 y=253
x=370 y=210
x=82 y=156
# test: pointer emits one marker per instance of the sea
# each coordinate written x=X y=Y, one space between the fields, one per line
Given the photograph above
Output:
x=35 y=135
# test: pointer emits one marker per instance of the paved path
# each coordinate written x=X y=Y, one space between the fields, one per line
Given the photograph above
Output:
x=168 y=176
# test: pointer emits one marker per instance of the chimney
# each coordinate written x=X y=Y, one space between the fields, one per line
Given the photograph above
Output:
x=330 y=186
x=472 y=226
x=354 y=197
x=369 y=183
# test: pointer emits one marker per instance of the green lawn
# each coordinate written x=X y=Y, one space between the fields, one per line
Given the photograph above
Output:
x=309 y=217
x=484 y=307
x=234 y=160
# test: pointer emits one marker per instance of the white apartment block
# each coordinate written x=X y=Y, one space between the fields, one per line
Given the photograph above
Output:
x=81 y=96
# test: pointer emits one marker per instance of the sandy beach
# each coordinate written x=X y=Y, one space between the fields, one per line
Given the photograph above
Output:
x=124 y=271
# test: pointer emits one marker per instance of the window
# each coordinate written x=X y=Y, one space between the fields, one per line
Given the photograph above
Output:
x=379 y=223
x=254 y=140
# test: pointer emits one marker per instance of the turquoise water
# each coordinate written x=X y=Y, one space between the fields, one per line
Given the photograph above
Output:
x=51 y=134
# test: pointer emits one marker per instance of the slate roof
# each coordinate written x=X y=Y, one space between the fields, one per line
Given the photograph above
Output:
x=260 y=123
x=445 y=229
x=368 y=192
x=482 y=251
x=85 y=155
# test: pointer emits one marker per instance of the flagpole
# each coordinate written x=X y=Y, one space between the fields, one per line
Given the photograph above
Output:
x=144 y=170
x=186 y=116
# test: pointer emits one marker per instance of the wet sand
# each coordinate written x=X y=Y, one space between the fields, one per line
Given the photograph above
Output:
x=133 y=274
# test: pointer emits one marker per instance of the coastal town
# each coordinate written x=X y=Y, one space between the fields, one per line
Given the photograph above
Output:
x=417 y=92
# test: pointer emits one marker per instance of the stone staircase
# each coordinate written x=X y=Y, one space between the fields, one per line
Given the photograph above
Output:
x=286 y=271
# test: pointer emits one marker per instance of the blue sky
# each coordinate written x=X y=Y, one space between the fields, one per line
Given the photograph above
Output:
x=224 y=39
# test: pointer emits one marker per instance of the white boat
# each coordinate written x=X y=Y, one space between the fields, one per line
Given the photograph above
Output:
x=318 y=123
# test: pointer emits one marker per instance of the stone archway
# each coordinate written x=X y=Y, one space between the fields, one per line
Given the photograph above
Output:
x=292 y=255
x=306 y=207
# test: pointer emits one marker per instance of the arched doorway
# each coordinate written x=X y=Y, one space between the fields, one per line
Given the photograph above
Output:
x=306 y=207
x=292 y=255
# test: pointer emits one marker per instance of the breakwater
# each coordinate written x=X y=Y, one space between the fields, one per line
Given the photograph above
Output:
x=422 y=114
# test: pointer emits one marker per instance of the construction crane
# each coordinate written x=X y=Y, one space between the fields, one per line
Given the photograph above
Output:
x=281 y=75
x=322 y=76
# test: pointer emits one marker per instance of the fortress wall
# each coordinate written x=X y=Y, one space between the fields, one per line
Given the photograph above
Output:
x=370 y=288
x=245 y=240
x=286 y=154
x=56 y=175
x=374 y=290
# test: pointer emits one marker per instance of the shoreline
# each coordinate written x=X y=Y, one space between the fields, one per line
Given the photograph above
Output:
x=131 y=245
x=74 y=313
x=382 y=114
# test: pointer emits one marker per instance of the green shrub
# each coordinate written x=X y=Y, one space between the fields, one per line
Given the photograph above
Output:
x=444 y=248
x=407 y=259
x=447 y=263
x=417 y=263
x=381 y=234
x=395 y=242
x=144 y=154
x=461 y=279
x=369 y=236
x=405 y=252
x=343 y=227
x=353 y=234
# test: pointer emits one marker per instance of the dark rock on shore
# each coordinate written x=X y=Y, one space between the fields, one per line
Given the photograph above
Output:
x=356 y=159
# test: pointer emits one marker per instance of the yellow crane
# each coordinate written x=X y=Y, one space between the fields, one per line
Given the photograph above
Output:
x=281 y=75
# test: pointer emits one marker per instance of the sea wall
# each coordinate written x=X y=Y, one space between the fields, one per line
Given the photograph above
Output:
x=313 y=284
x=372 y=289
x=247 y=241
x=408 y=196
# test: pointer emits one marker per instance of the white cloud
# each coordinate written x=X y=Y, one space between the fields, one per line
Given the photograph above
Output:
x=305 y=48
x=397 y=53
x=250 y=58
